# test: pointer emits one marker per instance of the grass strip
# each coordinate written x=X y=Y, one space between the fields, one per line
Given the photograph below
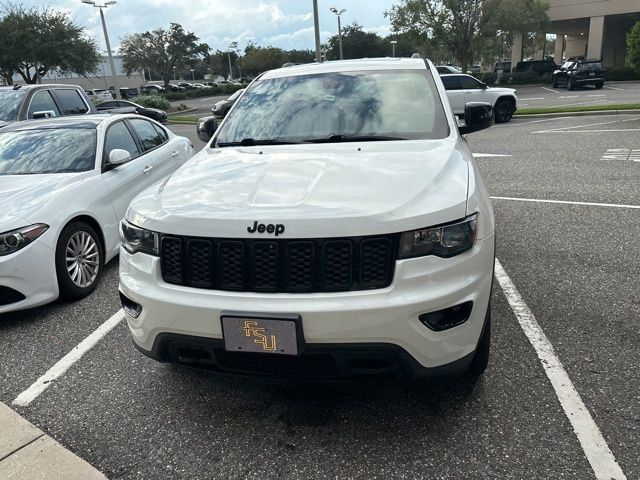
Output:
x=578 y=108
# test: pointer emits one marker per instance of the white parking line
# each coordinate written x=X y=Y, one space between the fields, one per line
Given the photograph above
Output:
x=578 y=103
x=566 y=202
x=569 y=96
x=549 y=90
x=614 y=88
x=601 y=95
x=60 y=368
x=593 y=444
x=566 y=129
x=525 y=99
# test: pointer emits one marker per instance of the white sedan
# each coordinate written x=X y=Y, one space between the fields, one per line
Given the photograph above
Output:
x=65 y=184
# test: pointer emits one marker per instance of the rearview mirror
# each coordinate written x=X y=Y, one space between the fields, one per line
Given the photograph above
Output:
x=44 y=114
x=207 y=126
x=477 y=116
x=118 y=157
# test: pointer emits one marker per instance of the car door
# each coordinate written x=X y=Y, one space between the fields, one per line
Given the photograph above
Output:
x=42 y=102
x=161 y=155
x=127 y=180
x=70 y=101
x=474 y=90
x=454 y=91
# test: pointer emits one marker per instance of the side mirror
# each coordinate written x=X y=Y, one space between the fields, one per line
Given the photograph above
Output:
x=207 y=126
x=477 y=116
x=44 y=114
x=118 y=157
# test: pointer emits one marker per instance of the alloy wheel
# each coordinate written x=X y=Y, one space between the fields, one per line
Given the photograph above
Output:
x=82 y=259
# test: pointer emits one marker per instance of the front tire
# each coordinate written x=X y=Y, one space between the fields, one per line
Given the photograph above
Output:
x=503 y=111
x=554 y=84
x=79 y=260
x=599 y=85
x=570 y=84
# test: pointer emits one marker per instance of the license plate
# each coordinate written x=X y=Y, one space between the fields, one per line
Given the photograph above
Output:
x=258 y=335
x=592 y=74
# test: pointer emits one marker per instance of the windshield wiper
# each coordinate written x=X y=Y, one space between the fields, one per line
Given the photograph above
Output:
x=251 y=142
x=354 y=138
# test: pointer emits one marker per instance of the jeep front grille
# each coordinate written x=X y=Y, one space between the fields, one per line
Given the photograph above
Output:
x=279 y=266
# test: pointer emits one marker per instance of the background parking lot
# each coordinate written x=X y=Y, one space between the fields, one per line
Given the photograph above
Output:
x=567 y=201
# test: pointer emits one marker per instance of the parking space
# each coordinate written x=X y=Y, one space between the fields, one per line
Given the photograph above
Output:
x=614 y=93
x=574 y=263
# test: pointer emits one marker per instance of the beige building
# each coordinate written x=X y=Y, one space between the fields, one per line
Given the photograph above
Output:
x=593 y=28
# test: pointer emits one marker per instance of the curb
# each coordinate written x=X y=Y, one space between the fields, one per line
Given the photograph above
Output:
x=182 y=112
x=27 y=453
x=578 y=114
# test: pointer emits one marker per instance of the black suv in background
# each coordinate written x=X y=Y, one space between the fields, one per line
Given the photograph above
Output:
x=574 y=73
x=26 y=102
x=538 y=66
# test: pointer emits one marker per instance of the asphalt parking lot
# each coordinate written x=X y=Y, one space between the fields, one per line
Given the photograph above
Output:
x=200 y=106
x=560 y=398
x=613 y=93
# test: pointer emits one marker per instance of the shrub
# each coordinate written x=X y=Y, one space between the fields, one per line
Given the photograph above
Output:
x=524 y=78
x=204 y=92
x=489 y=78
x=153 y=101
x=547 y=78
x=621 y=74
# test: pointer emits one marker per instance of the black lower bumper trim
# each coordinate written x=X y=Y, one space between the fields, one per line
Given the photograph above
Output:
x=9 y=296
x=317 y=362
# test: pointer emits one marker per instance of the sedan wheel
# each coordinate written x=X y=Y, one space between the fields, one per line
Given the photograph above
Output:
x=82 y=259
x=79 y=260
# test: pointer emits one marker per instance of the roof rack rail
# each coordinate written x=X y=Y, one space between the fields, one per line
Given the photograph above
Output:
x=289 y=64
x=17 y=86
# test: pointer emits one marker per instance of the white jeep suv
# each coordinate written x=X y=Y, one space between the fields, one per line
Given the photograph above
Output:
x=335 y=226
x=462 y=89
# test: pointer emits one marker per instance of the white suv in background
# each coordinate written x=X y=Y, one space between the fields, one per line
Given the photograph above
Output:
x=463 y=89
x=335 y=226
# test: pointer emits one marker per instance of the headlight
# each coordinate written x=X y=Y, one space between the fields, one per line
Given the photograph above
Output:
x=135 y=239
x=15 y=240
x=444 y=241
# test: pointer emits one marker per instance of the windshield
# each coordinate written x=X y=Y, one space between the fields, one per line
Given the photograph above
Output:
x=55 y=150
x=10 y=101
x=381 y=105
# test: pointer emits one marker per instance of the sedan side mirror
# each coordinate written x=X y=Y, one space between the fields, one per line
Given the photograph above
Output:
x=207 y=126
x=477 y=116
x=118 y=157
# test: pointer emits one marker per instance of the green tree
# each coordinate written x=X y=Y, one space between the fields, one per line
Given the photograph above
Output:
x=38 y=41
x=463 y=27
x=633 y=47
x=260 y=59
x=357 y=44
x=162 y=50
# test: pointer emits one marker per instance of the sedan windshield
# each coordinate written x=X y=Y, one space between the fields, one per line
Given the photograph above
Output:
x=10 y=101
x=54 y=150
x=345 y=106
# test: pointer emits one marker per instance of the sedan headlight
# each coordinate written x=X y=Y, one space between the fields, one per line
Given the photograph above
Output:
x=11 y=242
x=444 y=241
x=135 y=239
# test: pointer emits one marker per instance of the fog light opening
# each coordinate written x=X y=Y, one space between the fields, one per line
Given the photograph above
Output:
x=447 y=318
x=130 y=307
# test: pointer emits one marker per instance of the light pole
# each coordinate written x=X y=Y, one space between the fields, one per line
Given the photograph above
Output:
x=316 y=27
x=106 y=39
x=393 y=46
x=339 y=13
x=193 y=77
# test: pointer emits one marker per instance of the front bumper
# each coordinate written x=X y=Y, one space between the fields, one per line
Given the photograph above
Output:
x=385 y=319
x=31 y=272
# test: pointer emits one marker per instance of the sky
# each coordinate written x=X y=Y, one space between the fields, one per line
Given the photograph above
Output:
x=281 y=23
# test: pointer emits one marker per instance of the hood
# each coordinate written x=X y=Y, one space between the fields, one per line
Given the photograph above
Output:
x=503 y=90
x=314 y=190
x=22 y=195
x=3 y=123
